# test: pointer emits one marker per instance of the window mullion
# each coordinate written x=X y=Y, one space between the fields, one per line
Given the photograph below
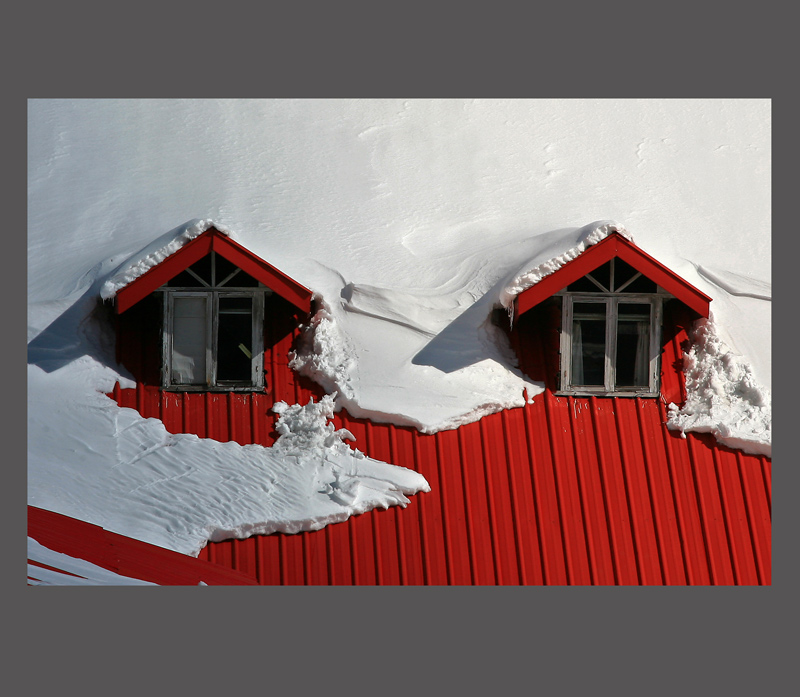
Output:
x=212 y=307
x=611 y=341
x=166 y=342
x=655 y=342
x=257 y=339
x=566 y=344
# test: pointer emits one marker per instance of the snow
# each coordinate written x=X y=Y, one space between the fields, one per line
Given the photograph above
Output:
x=90 y=459
x=154 y=253
x=723 y=397
x=411 y=220
x=549 y=259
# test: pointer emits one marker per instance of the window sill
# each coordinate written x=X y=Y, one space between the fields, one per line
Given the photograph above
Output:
x=216 y=390
x=603 y=393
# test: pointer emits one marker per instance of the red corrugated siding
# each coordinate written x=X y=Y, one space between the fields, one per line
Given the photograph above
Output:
x=567 y=490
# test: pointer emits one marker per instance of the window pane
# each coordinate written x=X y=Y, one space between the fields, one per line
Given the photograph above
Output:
x=235 y=304
x=602 y=275
x=583 y=285
x=235 y=340
x=633 y=345
x=641 y=285
x=240 y=279
x=632 y=311
x=184 y=280
x=588 y=344
x=189 y=341
x=622 y=272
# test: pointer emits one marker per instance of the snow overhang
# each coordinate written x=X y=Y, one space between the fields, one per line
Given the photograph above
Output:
x=153 y=267
x=536 y=285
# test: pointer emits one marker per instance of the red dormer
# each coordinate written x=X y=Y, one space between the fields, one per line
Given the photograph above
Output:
x=598 y=326
x=202 y=319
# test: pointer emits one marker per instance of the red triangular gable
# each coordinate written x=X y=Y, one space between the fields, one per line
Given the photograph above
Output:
x=213 y=240
x=615 y=245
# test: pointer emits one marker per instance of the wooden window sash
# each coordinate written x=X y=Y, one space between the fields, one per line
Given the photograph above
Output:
x=256 y=295
x=611 y=302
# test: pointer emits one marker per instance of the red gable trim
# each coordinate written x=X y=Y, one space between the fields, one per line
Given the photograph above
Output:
x=213 y=240
x=614 y=246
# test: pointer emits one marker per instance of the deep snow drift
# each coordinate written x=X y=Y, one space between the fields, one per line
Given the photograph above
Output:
x=411 y=220
x=445 y=375
x=90 y=459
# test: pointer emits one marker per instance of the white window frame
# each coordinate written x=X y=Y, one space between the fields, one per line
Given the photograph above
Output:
x=213 y=296
x=611 y=302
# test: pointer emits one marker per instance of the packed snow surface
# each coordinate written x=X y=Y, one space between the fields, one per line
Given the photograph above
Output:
x=92 y=460
x=411 y=220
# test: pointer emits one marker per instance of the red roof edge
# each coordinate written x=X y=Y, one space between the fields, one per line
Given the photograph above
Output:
x=213 y=240
x=615 y=245
x=124 y=555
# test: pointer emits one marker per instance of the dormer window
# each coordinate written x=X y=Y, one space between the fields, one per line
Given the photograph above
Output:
x=201 y=318
x=611 y=333
x=213 y=327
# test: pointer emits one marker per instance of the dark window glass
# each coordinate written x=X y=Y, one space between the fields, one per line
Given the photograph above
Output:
x=602 y=275
x=588 y=344
x=641 y=285
x=235 y=339
x=225 y=274
x=186 y=280
x=633 y=345
x=583 y=285
x=203 y=268
x=622 y=272
x=239 y=279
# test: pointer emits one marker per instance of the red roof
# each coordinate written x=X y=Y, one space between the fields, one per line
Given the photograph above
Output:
x=124 y=555
x=213 y=240
x=615 y=245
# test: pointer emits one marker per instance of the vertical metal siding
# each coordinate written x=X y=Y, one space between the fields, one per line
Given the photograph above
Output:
x=567 y=490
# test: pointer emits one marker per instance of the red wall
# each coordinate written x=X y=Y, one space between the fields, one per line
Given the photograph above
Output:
x=567 y=490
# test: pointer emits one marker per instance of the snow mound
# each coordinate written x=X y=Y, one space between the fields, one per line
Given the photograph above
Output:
x=154 y=253
x=534 y=270
x=303 y=429
x=92 y=460
x=723 y=396
x=432 y=363
x=736 y=283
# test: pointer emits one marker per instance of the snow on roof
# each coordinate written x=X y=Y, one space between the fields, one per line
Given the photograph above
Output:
x=95 y=461
x=411 y=220
x=155 y=252
x=553 y=256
